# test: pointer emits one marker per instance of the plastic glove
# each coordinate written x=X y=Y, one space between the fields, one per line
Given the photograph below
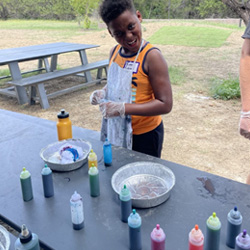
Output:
x=245 y=124
x=112 y=109
x=97 y=96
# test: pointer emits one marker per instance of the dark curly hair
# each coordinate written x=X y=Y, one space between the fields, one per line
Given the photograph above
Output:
x=111 y=9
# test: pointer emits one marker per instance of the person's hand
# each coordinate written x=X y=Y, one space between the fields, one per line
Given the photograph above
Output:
x=97 y=96
x=244 y=126
x=112 y=109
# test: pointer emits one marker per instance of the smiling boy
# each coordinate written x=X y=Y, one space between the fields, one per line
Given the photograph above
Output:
x=138 y=89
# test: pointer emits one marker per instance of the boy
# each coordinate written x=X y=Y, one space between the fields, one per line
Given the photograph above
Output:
x=138 y=85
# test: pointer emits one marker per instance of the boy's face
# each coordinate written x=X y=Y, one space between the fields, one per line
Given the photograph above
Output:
x=126 y=29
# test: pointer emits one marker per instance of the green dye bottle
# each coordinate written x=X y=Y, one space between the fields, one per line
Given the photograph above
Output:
x=94 y=181
x=26 y=185
x=212 y=239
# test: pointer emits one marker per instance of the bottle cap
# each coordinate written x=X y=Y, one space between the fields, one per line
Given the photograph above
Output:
x=25 y=236
x=134 y=219
x=125 y=194
x=234 y=216
x=92 y=154
x=46 y=170
x=63 y=114
x=106 y=142
x=24 y=174
x=93 y=170
x=158 y=234
x=213 y=222
x=75 y=197
x=196 y=236
x=243 y=240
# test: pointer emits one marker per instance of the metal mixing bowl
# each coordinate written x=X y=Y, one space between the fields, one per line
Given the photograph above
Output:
x=150 y=183
x=48 y=151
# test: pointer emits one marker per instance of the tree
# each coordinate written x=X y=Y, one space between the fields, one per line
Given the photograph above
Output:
x=84 y=8
x=241 y=8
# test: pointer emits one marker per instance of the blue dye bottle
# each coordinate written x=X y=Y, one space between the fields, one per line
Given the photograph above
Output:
x=48 y=187
x=126 y=203
x=107 y=153
x=134 y=223
x=234 y=221
x=27 y=240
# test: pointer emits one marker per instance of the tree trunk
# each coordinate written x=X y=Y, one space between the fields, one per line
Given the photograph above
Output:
x=241 y=8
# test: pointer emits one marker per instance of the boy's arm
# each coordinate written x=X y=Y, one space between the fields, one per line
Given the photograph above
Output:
x=157 y=69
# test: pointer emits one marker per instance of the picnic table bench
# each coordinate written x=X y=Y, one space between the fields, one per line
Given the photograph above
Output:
x=30 y=89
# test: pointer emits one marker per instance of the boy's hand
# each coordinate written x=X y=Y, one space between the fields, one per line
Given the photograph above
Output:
x=97 y=96
x=112 y=109
x=244 y=125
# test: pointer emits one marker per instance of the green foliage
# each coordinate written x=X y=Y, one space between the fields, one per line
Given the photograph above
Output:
x=210 y=37
x=225 y=89
x=84 y=8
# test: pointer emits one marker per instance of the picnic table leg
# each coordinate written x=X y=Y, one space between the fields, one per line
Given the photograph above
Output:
x=21 y=93
x=42 y=96
x=53 y=63
x=84 y=61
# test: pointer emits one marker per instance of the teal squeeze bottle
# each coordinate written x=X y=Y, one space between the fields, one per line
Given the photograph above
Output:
x=26 y=185
x=48 y=188
x=107 y=153
x=27 y=240
x=134 y=223
x=242 y=241
x=234 y=221
x=212 y=240
x=94 y=181
x=126 y=203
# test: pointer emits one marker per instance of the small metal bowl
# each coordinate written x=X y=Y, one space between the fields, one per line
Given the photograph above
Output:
x=150 y=183
x=48 y=151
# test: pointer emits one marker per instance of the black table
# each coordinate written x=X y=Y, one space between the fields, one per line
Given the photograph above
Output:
x=22 y=138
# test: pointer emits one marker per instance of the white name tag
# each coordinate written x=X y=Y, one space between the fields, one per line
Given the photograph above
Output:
x=130 y=65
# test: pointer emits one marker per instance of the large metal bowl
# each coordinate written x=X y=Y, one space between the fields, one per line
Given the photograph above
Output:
x=48 y=151
x=150 y=183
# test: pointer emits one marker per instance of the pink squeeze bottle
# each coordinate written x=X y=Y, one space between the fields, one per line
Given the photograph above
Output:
x=196 y=239
x=158 y=238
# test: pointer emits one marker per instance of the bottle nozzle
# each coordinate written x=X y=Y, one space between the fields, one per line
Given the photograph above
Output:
x=244 y=233
x=235 y=209
x=24 y=230
x=214 y=215
x=134 y=211
x=196 y=227
x=157 y=226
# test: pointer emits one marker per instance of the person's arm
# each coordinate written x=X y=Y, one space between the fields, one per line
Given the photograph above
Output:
x=157 y=69
x=244 y=126
x=245 y=75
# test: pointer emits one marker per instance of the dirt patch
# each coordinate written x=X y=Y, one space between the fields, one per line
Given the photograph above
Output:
x=200 y=132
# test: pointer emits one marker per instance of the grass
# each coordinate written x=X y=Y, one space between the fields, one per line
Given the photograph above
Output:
x=225 y=89
x=176 y=74
x=209 y=37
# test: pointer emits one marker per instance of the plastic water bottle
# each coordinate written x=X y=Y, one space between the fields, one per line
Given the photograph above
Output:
x=134 y=223
x=158 y=238
x=234 y=221
x=27 y=240
x=94 y=181
x=26 y=185
x=92 y=159
x=212 y=240
x=242 y=241
x=107 y=153
x=64 y=126
x=125 y=203
x=77 y=214
x=48 y=187
x=196 y=239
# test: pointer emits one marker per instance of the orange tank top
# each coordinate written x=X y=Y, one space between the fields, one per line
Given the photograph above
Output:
x=141 y=88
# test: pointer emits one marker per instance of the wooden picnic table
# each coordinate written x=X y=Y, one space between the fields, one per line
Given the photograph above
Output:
x=26 y=89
